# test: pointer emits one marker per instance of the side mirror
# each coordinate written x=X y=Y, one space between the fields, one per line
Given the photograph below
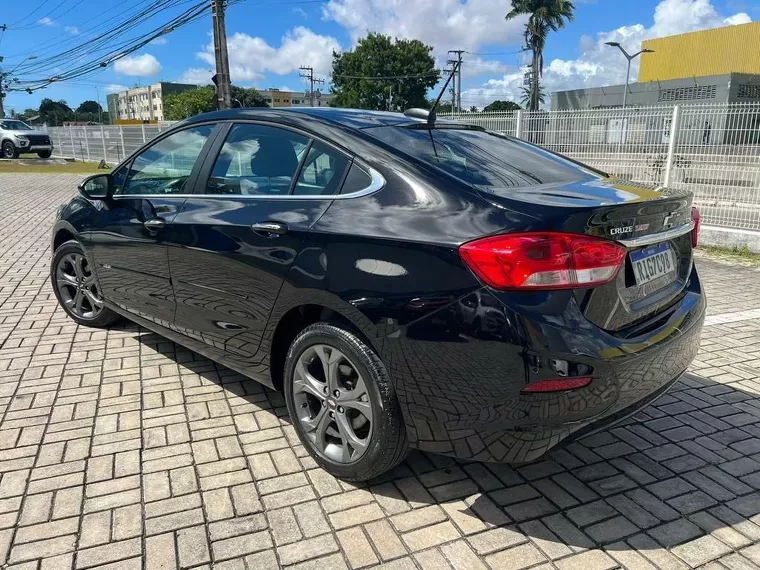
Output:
x=97 y=187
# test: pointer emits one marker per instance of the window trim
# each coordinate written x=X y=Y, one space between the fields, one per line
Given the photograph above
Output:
x=204 y=173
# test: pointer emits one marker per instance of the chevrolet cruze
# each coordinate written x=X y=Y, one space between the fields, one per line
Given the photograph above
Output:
x=405 y=282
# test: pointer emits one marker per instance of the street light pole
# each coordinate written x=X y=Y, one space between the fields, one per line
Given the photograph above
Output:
x=630 y=58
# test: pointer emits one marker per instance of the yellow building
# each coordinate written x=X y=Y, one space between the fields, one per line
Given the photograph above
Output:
x=719 y=51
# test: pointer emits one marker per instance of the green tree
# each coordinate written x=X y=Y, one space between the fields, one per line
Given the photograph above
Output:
x=527 y=95
x=502 y=106
x=243 y=97
x=474 y=109
x=178 y=106
x=92 y=107
x=55 y=113
x=407 y=67
x=544 y=16
x=27 y=114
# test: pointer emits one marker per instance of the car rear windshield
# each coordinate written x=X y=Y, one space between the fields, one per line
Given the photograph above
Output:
x=483 y=158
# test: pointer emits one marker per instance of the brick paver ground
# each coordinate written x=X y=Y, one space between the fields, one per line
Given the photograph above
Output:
x=120 y=449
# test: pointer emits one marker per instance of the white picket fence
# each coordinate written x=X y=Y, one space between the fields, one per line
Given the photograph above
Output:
x=712 y=150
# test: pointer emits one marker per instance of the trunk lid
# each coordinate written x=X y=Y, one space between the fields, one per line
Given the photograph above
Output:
x=654 y=225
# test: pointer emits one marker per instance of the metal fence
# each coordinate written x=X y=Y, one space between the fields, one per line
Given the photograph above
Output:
x=712 y=150
x=102 y=142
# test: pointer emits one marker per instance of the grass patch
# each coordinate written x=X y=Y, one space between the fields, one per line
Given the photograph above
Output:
x=741 y=255
x=37 y=166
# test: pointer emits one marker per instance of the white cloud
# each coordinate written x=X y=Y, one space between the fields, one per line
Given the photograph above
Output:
x=159 y=41
x=46 y=21
x=115 y=88
x=444 y=24
x=139 y=65
x=73 y=30
x=600 y=64
x=251 y=57
x=473 y=66
x=196 y=76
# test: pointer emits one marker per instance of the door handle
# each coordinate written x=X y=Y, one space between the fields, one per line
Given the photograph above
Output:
x=154 y=224
x=270 y=229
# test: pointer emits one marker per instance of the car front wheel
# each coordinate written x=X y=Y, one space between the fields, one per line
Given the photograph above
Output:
x=342 y=403
x=9 y=150
x=76 y=287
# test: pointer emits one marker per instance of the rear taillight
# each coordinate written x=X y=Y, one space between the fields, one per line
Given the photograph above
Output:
x=557 y=385
x=695 y=231
x=543 y=260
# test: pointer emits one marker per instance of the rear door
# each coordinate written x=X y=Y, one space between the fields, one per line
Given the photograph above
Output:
x=235 y=239
x=129 y=240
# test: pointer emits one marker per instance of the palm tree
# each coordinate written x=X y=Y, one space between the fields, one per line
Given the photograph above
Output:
x=544 y=16
x=527 y=92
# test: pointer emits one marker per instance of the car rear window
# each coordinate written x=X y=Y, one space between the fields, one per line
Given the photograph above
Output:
x=483 y=158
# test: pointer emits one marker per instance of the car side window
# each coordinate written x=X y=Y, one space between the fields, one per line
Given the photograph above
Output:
x=322 y=171
x=164 y=167
x=357 y=180
x=257 y=160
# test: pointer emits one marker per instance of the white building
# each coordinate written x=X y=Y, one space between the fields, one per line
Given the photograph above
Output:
x=143 y=103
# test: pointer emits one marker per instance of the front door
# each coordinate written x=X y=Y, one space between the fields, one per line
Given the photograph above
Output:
x=128 y=239
x=235 y=240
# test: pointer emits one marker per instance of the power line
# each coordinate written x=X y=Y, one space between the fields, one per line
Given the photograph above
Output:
x=30 y=13
x=112 y=53
x=388 y=77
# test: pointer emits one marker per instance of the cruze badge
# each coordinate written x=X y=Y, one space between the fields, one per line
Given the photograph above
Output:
x=623 y=230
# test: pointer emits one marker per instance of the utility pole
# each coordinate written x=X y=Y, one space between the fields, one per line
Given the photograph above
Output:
x=2 y=95
x=458 y=78
x=453 y=63
x=2 y=78
x=222 y=77
x=312 y=81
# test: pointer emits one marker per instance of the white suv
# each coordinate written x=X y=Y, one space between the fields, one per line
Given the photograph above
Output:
x=17 y=137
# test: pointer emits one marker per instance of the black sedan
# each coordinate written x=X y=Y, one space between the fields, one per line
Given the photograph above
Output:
x=405 y=281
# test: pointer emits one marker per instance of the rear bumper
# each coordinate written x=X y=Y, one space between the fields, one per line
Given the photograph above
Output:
x=461 y=395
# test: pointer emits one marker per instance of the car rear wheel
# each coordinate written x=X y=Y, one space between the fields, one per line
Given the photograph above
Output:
x=76 y=287
x=45 y=153
x=342 y=403
x=9 y=150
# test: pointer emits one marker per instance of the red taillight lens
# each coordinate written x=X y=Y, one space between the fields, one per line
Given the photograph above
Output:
x=557 y=385
x=543 y=260
x=695 y=231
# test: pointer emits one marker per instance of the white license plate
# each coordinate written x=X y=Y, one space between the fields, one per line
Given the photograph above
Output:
x=653 y=262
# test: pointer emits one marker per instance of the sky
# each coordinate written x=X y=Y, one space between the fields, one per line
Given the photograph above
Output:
x=269 y=39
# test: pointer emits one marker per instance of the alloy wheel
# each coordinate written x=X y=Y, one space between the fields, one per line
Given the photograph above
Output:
x=8 y=150
x=333 y=403
x=78 y=287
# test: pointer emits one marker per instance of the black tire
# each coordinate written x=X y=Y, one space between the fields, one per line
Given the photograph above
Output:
x=45 y=153
x=387 y=442
x=9 y=150
x=104 y=316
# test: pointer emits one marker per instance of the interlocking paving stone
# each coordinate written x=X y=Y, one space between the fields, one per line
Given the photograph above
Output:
x=120 y=449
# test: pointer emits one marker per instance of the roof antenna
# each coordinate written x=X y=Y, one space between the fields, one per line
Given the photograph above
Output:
x=430 y=115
